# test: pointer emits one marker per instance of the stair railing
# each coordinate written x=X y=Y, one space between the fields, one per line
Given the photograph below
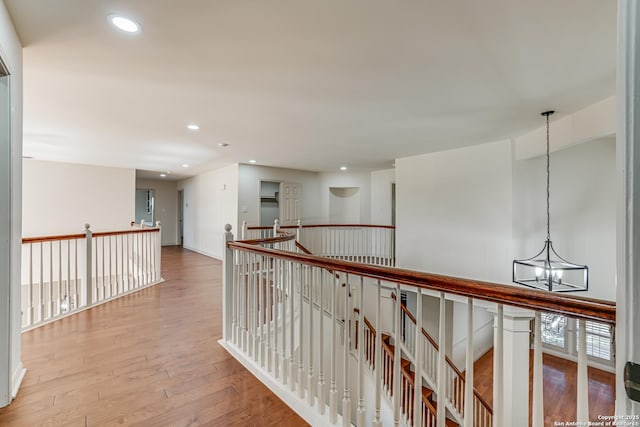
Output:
x=64 y=274
x=455 y=379
x=283 y=347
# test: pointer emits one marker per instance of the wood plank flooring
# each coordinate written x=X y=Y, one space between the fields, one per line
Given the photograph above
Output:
x=559 y=385
x=147 y=359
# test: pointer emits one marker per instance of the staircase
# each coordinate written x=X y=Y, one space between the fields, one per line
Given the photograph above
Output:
x=455 y=382
x=454 y=396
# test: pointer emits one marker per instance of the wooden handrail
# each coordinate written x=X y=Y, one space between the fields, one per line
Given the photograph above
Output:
x=135 y=231
x=53 y=238
x=82 y=235
x=570 y=305
x=288 y=227
x=303 y=248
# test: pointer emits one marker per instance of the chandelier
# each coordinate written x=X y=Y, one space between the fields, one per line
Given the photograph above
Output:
x=547 y=270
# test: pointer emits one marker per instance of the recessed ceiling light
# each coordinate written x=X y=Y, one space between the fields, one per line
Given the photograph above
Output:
x=223 y=144
x=193 y=126
x=343 y=168
x=253 y=161
x=162 y=175
x=185 y=165
x=125 y=24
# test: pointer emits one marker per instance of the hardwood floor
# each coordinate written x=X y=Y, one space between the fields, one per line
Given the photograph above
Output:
x=559 y=387
x=147 y=359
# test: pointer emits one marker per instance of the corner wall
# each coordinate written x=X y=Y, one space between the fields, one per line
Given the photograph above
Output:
x=210 y=202
x=11 y=370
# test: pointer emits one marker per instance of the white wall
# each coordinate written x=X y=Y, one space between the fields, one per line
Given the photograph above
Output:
x=210 y=202
x=583 y=209
x=59 y=198
x=249 y=192
x=11 y=370
x=346 y=180
x=454 y=212
x=381 y=196
x=166 y=207
x=454 y=218
x=344 y=205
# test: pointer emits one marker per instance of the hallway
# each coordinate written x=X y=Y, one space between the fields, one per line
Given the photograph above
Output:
x=148 y=359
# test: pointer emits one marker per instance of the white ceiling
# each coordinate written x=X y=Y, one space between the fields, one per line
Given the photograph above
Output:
x=301 y=84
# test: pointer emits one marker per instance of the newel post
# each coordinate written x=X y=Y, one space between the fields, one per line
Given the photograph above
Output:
x=276 y=227
x=157 y=251
x=88 y=278
x=227 y=284
x=243 y=231
x=299 y=233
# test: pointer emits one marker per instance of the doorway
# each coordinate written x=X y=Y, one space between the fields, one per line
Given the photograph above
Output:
x=144 y=206
x=180 y=217
x=269 y=202
x=393 y=204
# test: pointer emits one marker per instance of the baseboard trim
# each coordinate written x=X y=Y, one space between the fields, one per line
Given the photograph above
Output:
x=198 y=251
x=308 y=413
x=16 y=380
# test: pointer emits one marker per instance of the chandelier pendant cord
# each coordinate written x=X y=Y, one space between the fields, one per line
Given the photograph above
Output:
x=548 y=173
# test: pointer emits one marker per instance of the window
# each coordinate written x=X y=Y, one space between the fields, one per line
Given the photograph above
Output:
x=554 y=329
x=599 y=342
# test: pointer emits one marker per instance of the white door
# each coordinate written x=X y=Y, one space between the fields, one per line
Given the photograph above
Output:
x=290 y=203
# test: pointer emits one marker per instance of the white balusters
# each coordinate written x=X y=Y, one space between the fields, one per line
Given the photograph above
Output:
x=417 y=393
x=291 y=296
x=397 y=357
x=468 y=388
x=333 y=392
x=300 y=332
x=442 y=384
x=377 y=421
x=321 y=382
x=310 y=333
x=346 y=400
x=360 y=421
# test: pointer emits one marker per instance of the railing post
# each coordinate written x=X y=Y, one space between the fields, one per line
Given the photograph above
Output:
x=88 y=277
x=158 y=252
x=538 y=398
x=498 y=385
x=227 y=284
x=243 y=231
x=276 y=227
x=299 y=231
x=582 y=413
